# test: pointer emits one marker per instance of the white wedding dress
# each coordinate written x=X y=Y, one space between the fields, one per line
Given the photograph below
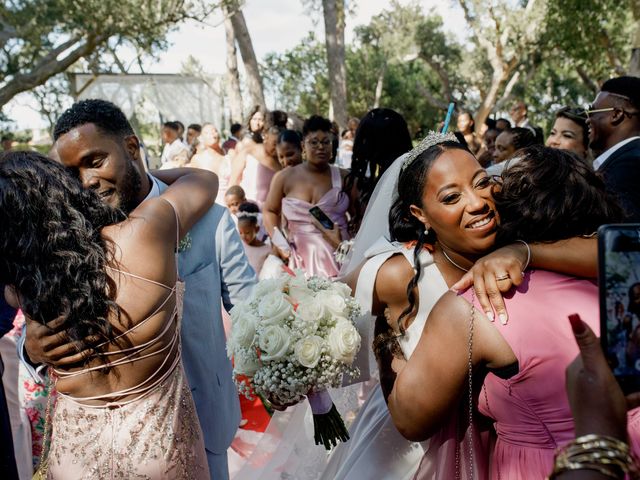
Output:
x=376 y=449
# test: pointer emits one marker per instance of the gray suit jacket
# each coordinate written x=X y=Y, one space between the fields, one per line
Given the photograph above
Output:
x=217 y=273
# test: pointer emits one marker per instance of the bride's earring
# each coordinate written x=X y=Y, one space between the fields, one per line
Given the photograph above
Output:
x=426 y=231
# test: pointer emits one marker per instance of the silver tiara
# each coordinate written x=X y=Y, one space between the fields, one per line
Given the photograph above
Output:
x=432 y=138
x=247 y=215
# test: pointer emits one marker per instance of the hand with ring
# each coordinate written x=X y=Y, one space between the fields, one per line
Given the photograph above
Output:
x=493 y=275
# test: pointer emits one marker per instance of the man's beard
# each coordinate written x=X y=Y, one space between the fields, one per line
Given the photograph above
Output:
x=129 y=189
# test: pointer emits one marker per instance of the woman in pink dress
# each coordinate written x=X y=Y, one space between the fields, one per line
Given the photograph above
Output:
x=515 y=368
x=124 y=409
x=314 y=183
x=255 y=164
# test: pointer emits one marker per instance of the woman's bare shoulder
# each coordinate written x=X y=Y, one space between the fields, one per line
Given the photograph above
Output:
x=393 y=277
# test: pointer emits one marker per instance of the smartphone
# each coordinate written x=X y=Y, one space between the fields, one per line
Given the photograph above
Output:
x=322 y=217
x=619 y=284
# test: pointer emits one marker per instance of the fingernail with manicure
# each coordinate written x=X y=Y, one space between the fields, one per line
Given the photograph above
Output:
x=490 y=315
x=503 y=318
x=577 y=325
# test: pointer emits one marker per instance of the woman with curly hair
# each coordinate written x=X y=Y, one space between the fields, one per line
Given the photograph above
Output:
x=511 y=370
x=124 y=408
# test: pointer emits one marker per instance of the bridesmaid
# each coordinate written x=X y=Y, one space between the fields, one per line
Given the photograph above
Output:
x=124 y=409
x=297 y=189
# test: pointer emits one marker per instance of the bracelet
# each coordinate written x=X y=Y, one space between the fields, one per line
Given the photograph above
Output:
x=342 y=252
x=606 y=455
x=526 y=265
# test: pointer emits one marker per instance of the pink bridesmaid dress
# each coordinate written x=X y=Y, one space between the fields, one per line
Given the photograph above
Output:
x=148 y=431
x=309 y=250
x=530 y=409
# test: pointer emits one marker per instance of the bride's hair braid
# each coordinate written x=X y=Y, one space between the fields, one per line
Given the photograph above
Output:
x=403 y=225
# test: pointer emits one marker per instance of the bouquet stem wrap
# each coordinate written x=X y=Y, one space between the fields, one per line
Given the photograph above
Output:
x=328 y=426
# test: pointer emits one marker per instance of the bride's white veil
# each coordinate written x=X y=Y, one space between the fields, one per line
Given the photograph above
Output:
x=375 y=223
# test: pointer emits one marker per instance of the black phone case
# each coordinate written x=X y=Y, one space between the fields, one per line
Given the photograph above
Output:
x=628 y=383
x=322 y=217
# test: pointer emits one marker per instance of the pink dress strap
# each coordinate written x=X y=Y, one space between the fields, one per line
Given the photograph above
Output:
x=136 y=353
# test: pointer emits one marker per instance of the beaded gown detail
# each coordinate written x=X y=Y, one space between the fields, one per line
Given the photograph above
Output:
x=146 y=431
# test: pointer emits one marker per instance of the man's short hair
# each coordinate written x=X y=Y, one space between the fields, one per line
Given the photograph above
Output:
x=171 y=125
x=103 y=114
x=235 y=128
x=195 y=126
x=235 y=190
x=626 y=86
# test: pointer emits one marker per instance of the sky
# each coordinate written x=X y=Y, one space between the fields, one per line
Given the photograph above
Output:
x=274 y=26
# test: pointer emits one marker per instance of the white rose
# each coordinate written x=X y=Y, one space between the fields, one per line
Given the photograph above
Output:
x=274 y=308
x=267 y=286
x=332 y=302
x=344 y=341
x=310 y=312
x=243 y=328
x=246 y=364
x=309 y=350
x=341 y=289
x=273 y=342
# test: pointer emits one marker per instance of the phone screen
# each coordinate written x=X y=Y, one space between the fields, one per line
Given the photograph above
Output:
x=322 y=217
x=619 y=272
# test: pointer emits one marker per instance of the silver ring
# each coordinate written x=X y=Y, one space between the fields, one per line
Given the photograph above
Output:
x=503 y=277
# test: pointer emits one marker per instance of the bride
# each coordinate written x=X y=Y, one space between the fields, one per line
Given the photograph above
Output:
x=376 y=448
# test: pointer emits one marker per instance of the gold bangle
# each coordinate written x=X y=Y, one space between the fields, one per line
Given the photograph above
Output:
x=607 y=455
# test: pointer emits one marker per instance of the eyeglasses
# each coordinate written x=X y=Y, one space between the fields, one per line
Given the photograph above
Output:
x=316 y=143
x=590 y=110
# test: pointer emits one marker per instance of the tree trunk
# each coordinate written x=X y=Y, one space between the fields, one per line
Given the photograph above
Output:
x=497 y=80
x=233 y=77
x=241 y=32
x=634 y=64
x=379 y=85
x=50 y=66
x=334 y=22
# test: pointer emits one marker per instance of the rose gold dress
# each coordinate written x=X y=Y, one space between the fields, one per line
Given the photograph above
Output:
x=154 y=435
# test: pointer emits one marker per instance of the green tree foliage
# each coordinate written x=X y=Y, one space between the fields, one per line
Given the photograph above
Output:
x=41 y=38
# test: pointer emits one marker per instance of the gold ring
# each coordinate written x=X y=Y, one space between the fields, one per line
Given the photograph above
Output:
x=503 y=277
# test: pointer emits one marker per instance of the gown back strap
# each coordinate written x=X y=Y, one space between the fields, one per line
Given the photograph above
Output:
x=137 y=352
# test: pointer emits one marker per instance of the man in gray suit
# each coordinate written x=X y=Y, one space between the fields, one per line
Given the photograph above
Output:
x=94 y=139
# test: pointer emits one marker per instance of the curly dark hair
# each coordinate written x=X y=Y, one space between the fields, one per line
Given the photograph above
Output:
x=51 y=250
x=104 y=115
x=382 y=136
x=316 y=123
x=550 y=195
x=403 y=226
x=257 y=135
x=521 y=137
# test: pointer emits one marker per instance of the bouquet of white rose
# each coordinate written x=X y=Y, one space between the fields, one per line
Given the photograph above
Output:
x=294 y=338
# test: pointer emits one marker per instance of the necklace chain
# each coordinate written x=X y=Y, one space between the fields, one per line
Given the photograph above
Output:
x=452 y=262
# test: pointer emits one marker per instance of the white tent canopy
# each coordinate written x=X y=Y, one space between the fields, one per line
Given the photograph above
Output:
x=155 y=97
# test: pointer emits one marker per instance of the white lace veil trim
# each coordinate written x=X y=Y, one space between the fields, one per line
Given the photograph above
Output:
x=375 y=223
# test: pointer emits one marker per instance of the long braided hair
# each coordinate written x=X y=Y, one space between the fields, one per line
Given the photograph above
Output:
x=403 y=226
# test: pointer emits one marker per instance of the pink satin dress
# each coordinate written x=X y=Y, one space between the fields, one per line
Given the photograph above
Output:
x=154 y=434
x=256 y=180
x=530 y=410
x=309 y=250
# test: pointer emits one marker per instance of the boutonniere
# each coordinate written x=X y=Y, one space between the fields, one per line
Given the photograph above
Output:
x=185 y=243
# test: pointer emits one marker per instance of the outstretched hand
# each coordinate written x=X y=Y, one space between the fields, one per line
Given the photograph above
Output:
x=493 y=275
x=597 y=402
